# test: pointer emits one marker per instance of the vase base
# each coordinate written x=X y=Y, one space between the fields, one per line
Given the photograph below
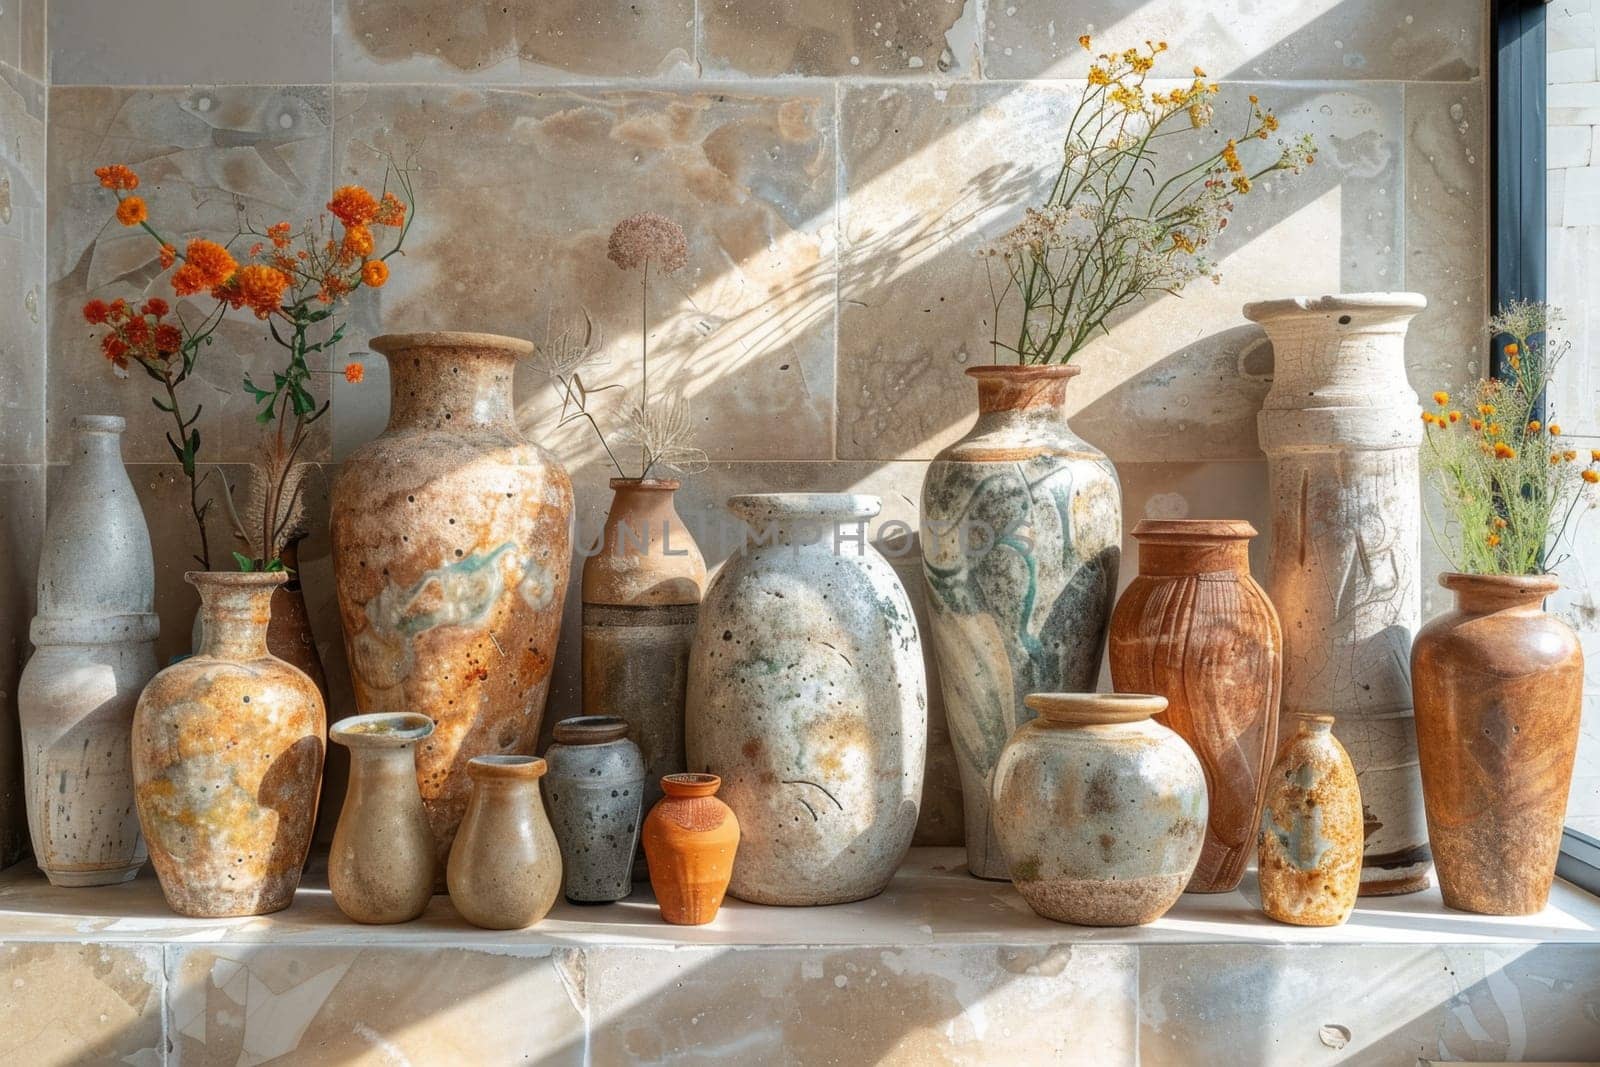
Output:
x=80 y=879
x=1387 y=884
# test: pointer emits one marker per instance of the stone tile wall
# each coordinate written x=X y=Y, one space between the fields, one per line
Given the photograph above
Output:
x=835 y=164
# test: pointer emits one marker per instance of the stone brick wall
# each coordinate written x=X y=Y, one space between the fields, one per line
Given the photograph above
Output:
x=1573 y=221
x=835 y=162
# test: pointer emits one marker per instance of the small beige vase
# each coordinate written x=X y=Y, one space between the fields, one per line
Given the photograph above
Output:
x=381 y=865
x=505 y=865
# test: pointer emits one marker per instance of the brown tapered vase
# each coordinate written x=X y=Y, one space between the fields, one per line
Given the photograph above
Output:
x=1498 y=684
x=1195 y=628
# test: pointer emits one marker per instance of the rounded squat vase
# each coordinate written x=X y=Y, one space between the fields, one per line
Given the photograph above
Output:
x=1022 y=538
x=451 y=544
x=1499 y=687
x=641 y=594
x=505 y=864
x=1196 y=628
x=807 y=697
x=691 y=839
x=1341 y=428
x=1100 y=810
x=227 y=760
x=595 y=789
x=380 y=867
x=1311 y=829
x=94 y=640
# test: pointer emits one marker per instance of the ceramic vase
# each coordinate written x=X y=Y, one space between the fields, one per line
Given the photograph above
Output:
x=1499 y=686
x=1100 y=810
x=1195 y=628
x=641 y=593
x=289 y=634
x=807 y=698
x=595 y=789
x=227 y=760
x=691 y=839
x=1021 y=538
x=1341 y=428
x=94 y=638
x=380 y=867
x=1311 y=828
x=505 y=864
x=451 y=546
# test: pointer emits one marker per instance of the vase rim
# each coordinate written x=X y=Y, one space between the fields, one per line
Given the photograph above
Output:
x=690 y=784
x=236 y=579
x=1023 y=371
x=99 y=423
x=590 y=730
x=1096 y=709
x=669 y=484
x=1543 y=584
x=1317 y=718
x=381 y=729
x=806 y=505
x=392 y=344
x=1293 y=306
x=501 y=768
x=1180 y=530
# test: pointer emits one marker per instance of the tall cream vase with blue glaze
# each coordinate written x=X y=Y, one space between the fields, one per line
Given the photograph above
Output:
x=1022 y=537
x=451 y=538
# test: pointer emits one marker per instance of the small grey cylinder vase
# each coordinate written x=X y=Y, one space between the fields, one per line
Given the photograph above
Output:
x=95 y=637
x=381 y=866
x=595 y=789
x=807 y=696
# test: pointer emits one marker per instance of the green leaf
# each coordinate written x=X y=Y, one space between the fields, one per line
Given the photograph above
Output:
x=162 y=407
x=302 y=401
x=275 y=567
x=245 y=563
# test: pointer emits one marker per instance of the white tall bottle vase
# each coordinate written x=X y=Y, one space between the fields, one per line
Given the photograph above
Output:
x=94 y=638
x=1341 y=427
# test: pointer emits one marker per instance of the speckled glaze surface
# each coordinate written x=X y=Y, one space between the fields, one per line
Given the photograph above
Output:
x=1499 y=685
x=1341 y=427
x=691 y=839
x=381 y=865
x=595 y=790
x=505 y=864
x=1311 y=829
x=1100 y=810
x=94 y=640
x=641 y=594
x=1022 y=537
x=451 y=545
x=1196 y=628
x=807 y=696
x=227 y=760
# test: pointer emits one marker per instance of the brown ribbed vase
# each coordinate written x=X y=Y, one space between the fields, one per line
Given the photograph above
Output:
x=1499 y=688
x=1195 y=628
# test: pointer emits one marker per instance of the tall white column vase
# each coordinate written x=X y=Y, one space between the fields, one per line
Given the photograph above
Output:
x=94 y=636
x=1341 y=427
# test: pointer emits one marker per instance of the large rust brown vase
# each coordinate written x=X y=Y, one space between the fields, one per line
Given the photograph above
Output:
x=451 y=546
x=1195 y=628
x=1499 y=689
x=641 y=594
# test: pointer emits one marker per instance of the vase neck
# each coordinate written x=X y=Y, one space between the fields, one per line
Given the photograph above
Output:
x=1172 y=548
x=828 y=520
x=1488 y=594
x=644 y=506
x=98 y=439
x=443 y=387
x=235 y=610
x=1021 y=398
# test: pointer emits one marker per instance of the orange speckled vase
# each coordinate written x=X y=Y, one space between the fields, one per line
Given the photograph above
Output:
x=227 y=760
x=690 y=838
x=1197 y=629
x=1311 y=829
x=1499 y=689
x=451 y=539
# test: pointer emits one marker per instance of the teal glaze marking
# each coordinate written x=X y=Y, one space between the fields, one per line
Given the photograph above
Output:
x=389 y=609
x=1302 y=843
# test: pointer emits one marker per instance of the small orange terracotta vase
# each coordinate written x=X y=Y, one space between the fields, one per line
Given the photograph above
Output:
x=690 y=838
x=1195 y=628
x=1499 y=689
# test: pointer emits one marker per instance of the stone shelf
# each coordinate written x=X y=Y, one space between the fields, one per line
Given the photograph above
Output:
x=941 y=967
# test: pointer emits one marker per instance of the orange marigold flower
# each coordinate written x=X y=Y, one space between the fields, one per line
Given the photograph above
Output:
x=168 y=338
x=1499 y=523
x=1504 y=451
x=375 y=272
x=1533 y=426
x=215 y=263
x=391 y=211
x=261 y=287
x=169 y=256
x=154 y=306
x=136 y=331
x=1427 y=417
x=1441 y=398
x=188 y=280
x=353 y=205
x=354 y=372
x=1493 y=540
x=131 y=211
x=1570 y=455
x=357 y=244
x=333 y=287
x=1512 y=349
x=1455 y=416
x=118 y=309
x=115 y=349
x=1594 y=455
x=1555 y=429
x=96 y=312
x=279 y=234
x=1476 y=424
x=1591 y=476
x=1555 y=459
x=117 y=176
x=1485 y=409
